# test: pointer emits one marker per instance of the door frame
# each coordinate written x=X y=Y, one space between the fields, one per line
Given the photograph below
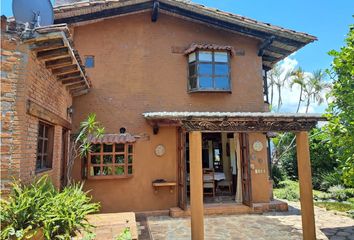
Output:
x=64 y=156
x=245 y=170
x=181 y=169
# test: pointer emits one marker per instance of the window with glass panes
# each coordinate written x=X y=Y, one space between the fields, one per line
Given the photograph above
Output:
x=209 y=71
x=110 y=160
x=44 y=146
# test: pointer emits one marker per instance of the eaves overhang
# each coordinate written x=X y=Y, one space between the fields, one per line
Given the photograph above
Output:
x=276 y=43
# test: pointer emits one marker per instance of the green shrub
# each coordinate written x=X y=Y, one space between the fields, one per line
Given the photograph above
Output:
x=277 y=175
x=41 y=206
x=288 y=190
x=330 y=179
x=340 y=193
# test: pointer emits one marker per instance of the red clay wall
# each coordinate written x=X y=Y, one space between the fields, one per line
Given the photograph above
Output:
x=24 y=78
x=136 y=71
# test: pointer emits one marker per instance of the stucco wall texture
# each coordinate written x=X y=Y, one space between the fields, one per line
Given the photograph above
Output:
x=136 y=71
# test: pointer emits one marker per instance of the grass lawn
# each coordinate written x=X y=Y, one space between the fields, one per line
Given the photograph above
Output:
x=338 y=206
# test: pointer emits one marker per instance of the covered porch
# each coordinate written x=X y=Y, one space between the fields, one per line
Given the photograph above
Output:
x=243 y=124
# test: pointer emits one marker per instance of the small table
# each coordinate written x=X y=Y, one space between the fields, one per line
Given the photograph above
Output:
x=157 y=185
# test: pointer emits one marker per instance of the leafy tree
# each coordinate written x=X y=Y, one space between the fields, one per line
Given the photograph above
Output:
x=341 y=109
x=80 y=146
x=322 y=163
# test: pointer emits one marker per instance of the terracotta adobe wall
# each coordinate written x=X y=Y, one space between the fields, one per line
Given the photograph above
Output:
x=24 y=78
x=137 y=70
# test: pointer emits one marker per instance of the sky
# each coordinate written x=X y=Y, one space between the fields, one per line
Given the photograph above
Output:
x=328 y=20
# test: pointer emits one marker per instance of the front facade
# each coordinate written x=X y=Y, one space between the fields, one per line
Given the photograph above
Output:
x=165 y=59
x=181 y=91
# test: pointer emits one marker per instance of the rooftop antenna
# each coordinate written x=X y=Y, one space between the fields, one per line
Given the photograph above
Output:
x=33 y=14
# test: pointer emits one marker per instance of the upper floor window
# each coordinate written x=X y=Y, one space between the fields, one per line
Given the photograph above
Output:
x=209 y=71
x=44 y=147
x=89 y=61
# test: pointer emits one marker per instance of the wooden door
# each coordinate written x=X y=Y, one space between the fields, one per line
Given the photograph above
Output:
x=245 y=170
x=181 y=153
x=64 y=156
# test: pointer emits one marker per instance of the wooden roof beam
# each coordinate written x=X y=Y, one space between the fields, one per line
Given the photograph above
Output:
x=64 y=69
x=58 y=62
x=62 y=77
x=47 y=45
x=53 y=54
x=76 y=85
x=74 y=91
x=266 y=43
x=70 y=80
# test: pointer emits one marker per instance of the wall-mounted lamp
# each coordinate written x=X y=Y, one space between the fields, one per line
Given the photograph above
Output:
x=122 y=130
x=70 y=111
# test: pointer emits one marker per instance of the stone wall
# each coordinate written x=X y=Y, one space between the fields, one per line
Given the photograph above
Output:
x=24 y=78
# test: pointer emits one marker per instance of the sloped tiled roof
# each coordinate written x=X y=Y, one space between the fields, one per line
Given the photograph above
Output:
x=208 y=46
x=283 y=43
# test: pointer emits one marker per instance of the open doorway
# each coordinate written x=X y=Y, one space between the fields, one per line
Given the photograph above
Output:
x=221 y=161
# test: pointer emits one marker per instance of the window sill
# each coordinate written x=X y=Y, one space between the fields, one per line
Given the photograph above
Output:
x=39 y=171
x=210 y=91
x=109 y=177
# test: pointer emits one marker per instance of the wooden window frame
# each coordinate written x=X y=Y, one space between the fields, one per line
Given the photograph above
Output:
x=92 y=59
x=197 y=62
x=47 y=164
x=126 y=163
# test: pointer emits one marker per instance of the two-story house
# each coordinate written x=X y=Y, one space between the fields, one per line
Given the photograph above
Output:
x=181 y=90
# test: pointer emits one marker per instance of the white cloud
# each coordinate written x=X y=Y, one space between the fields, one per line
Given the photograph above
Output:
x=290 y=96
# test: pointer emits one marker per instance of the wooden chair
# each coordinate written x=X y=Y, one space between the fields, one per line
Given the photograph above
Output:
x=226 y=183
x=209 y=180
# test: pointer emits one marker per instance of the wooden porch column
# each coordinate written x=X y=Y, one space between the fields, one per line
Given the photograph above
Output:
x=305 y=182
x=196 y=185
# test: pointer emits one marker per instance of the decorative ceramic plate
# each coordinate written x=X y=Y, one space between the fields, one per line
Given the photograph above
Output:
x=160 y=150
x=257 y=146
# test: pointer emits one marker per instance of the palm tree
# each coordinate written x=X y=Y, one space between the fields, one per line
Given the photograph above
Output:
x=314 y=88
x=277 y=78
x=299 y=79
x=273 y=74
